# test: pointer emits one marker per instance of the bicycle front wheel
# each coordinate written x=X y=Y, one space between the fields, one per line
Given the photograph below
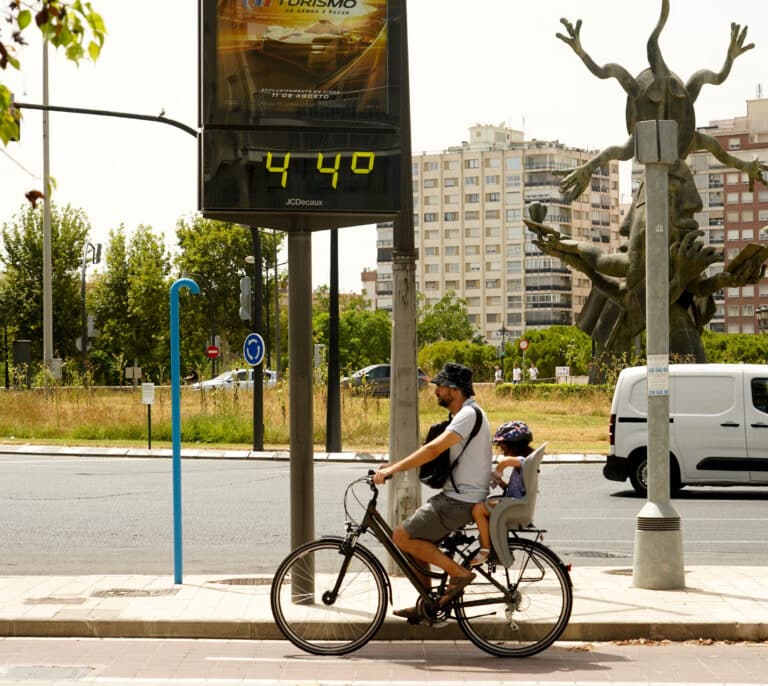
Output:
x=520 y=610
x=329 y=601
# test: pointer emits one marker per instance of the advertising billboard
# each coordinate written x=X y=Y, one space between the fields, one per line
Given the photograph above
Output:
x=300 y=109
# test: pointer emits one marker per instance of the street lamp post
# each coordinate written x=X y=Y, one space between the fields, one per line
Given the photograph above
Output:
x=761 y=315
x=503 y=331
x=96 y=258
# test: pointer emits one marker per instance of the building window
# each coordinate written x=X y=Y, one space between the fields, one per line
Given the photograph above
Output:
x=473 y=301
x=451 y=234
x=472 y=181
x=734 y=143
x=451 y=181
x=452 y=267
x=451 y=199
x=513 y=198
x=514 y=250
x=472 y=164
x=451 y=216
x=472 y=232
x=491 y=283
x=512 y=163
x=492 y=317
x=514 y=266
x=451 y=285
x=431 y=235
x=513 y=215
x=493 y=266
x=493 y=214
x=471 y=249
x=431 y=166
x=732 y=216
x=514 y=302
x=451 y=250
x=431 y=200
x=492 y=249
x=748 y=310
x=451 y=165
x=431 y=251
x=492 y=180
x=748 y=291
x=430 y=217
x=471 y=215
x=747 y=196
x=747 y=234
x=432 y=268
x=730 y=198
x=493 y=232
x=493 y=197
x=492 y=163
x=471 y=284
x=472 y=198
x=512 y=181
x=493 y=301
x=514 y=233
x=430 y=183
x=747 y=216
x=471 y=267
x=514 y=286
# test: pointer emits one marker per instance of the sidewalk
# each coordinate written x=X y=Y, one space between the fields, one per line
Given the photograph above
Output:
x=201 y=453
x=719 y=603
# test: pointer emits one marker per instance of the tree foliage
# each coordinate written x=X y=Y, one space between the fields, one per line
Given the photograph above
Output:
x=446 y=320
x=555 y=346
x=480 y=358
x=735 y=347
x=73 y=26
x=364 y=335
x=23 y=282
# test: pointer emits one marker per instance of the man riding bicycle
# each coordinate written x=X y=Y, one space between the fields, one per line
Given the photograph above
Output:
x=450 y=509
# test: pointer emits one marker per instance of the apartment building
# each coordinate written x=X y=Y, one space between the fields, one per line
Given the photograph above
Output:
x=733 y=216
x=469 y=202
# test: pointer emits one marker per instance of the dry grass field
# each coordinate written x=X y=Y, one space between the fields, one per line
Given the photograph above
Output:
x=81 y=416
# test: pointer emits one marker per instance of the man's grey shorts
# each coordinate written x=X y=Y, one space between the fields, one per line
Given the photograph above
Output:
x=436 y=518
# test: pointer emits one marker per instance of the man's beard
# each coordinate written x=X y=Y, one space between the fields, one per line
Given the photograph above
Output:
x=442 y=402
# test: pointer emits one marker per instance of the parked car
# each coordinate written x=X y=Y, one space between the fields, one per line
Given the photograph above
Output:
x=242 y=378
x=718 y=431
x=374 y=379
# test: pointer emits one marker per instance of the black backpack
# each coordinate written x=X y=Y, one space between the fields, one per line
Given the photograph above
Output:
x=436 y=472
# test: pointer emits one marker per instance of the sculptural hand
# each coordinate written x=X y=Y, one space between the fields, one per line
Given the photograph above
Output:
x=576 y=181
x=749 y=272
x=572 y=38
x=736 y=46
x=690 y=257
x=755 y=172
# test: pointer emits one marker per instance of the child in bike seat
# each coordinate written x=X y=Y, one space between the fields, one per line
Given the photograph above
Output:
x=514 y=441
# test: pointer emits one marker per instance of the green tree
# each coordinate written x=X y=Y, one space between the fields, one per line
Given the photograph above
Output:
x=72 y=25
x=364 y=335
x=22 y=286
x=555 y=346
x=109 y=303
x=735 y=347
x=480 y=358
x=213 y=253
x=446 y=320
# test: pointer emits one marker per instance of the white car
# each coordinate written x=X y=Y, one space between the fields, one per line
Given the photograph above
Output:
x=240 y=378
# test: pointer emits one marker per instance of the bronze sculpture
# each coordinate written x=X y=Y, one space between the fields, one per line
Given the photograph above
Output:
x=614 y=313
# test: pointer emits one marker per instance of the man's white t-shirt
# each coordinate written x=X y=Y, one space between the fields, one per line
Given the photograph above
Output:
x=472 y=474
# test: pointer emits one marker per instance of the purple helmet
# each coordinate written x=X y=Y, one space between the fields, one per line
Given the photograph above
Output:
x=513 y=432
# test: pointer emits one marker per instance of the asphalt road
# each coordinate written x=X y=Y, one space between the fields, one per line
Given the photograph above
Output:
x=63 y=515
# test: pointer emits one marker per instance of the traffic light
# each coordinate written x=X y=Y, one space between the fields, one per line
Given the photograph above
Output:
x=245 y=298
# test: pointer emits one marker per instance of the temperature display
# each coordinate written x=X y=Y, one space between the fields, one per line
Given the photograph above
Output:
x=300 y=171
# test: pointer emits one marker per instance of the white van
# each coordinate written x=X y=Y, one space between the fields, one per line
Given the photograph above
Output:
x=718 y=431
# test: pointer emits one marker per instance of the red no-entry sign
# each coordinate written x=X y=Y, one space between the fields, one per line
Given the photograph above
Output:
x=212 y=351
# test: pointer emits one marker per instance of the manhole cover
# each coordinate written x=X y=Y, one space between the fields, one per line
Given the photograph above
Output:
x=133 y=592
x=53 y=600
x=245 y=581
x=48 y=673
x=599 y=554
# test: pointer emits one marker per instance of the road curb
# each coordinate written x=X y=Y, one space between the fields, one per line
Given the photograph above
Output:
x=392 y=630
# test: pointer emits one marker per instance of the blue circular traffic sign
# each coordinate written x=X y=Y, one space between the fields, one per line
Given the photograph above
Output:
x=253 y=349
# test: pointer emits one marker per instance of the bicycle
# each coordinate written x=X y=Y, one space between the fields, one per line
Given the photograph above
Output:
x=330 y=596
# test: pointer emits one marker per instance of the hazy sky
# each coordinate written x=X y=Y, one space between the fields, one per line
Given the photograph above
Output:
x=486 y=61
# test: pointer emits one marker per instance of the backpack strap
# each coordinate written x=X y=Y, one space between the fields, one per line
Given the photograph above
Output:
x=473 y=433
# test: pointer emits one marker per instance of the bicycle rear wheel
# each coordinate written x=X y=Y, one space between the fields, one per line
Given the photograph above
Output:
x=323 y=607
x=531 y=616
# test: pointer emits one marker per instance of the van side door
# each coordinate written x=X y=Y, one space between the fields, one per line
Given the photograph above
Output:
x=708 y=416
x=756 y=416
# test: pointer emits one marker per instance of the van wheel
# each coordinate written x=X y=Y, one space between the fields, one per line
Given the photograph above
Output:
x=638 y=476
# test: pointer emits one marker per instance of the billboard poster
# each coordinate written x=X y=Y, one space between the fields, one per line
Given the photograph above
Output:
x=300 y=62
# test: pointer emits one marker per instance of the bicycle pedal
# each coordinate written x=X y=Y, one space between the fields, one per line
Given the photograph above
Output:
x=439 y=624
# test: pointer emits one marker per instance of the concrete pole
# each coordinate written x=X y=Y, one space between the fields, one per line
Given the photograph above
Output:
x=404 y=494
x=301 y=378
x=658 y=558
x=47 y=247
